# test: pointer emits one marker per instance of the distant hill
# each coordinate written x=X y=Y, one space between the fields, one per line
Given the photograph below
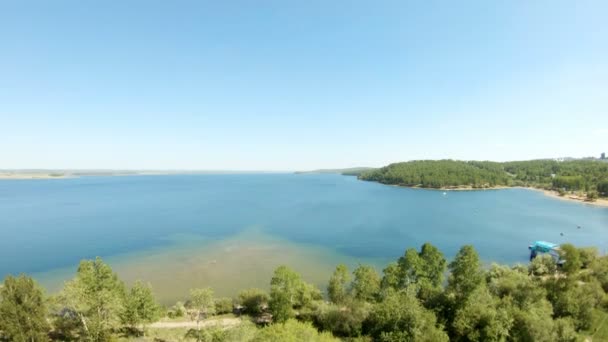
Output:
x=352 y=171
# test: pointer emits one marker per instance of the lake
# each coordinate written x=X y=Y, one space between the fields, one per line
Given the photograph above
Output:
x=230 y=231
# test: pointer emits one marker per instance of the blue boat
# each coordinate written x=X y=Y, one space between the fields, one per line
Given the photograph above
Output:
x=544 y=247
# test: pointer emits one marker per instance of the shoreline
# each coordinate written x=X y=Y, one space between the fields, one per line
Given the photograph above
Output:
x=18 y=176
x=600 y=202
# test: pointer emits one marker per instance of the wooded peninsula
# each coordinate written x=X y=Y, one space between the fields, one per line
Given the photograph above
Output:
x=588 y=178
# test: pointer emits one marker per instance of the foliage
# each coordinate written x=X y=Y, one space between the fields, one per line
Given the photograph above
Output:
x=337 y=288
x=587 y=175
x=254 y=301
x=223 y=305
x=140 y=307
x=542 y=265
x=424 y=269
x=440 y=173
x=366 y=283
x=592 y=196
x=177 y=310
x=23 y=310
x=292 y=331
x=201 y=304
x=95 y=299
x=481 y=317
x=572 y=258
x=568 y=183
x=602 y=187
x=588 y=256
x=288 y=292
x=345 y=319
x=540 y=302
x=465 y=273
x=401 y=317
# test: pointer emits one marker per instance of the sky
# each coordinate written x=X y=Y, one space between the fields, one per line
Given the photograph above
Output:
x=295 y=85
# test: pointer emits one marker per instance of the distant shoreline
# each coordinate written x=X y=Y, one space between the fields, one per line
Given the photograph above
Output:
x=17 y=176
x=600 y=202
x=63 y=174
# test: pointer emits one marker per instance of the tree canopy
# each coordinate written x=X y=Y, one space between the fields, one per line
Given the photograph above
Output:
x=23 y=310
x=583 y=175
x=540 y=302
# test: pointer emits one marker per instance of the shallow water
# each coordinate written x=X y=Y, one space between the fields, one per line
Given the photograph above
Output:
x=230 y=231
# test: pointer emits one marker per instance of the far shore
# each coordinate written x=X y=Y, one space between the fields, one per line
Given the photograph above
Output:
x=600 y=202
x=10 y=175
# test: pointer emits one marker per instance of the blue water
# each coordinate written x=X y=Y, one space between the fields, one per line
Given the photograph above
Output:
x=49 y=224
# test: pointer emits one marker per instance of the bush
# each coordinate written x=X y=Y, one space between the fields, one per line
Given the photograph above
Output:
x=177 y=310
x=342 y=320
x=292 y=330
x=254 y=301
x=223 y=306
x=542 y=265
x=592 y=196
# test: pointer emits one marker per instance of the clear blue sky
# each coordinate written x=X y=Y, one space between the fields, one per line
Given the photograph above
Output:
x=284 y=85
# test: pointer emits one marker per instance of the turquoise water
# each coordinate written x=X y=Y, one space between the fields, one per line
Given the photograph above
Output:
x=51 y=224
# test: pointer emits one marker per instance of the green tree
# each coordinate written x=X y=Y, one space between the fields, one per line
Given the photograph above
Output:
x=572 y=258
x=433 y=264
x=140 y=307
x=366 y=283
x=574 y=299
x=23 y=310
x=465 y=273
x=285 y=291
x=588 y=256
x=534 y=323
x=95 y=297
x=337 y=289
x=391 y=278
x=401 y=317
x=563 y=331
x=481 y=318
x=201 y=305
x=424 y=269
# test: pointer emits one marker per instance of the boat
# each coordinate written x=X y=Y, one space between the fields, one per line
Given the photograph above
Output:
x=544 y=247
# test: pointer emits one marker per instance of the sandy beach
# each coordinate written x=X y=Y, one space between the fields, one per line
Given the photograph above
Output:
x=601 y=202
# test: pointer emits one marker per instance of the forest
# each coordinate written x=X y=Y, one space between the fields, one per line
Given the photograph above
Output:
x=589 y=176
x=418 y=297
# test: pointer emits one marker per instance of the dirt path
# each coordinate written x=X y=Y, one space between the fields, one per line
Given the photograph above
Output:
x=223 y=322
